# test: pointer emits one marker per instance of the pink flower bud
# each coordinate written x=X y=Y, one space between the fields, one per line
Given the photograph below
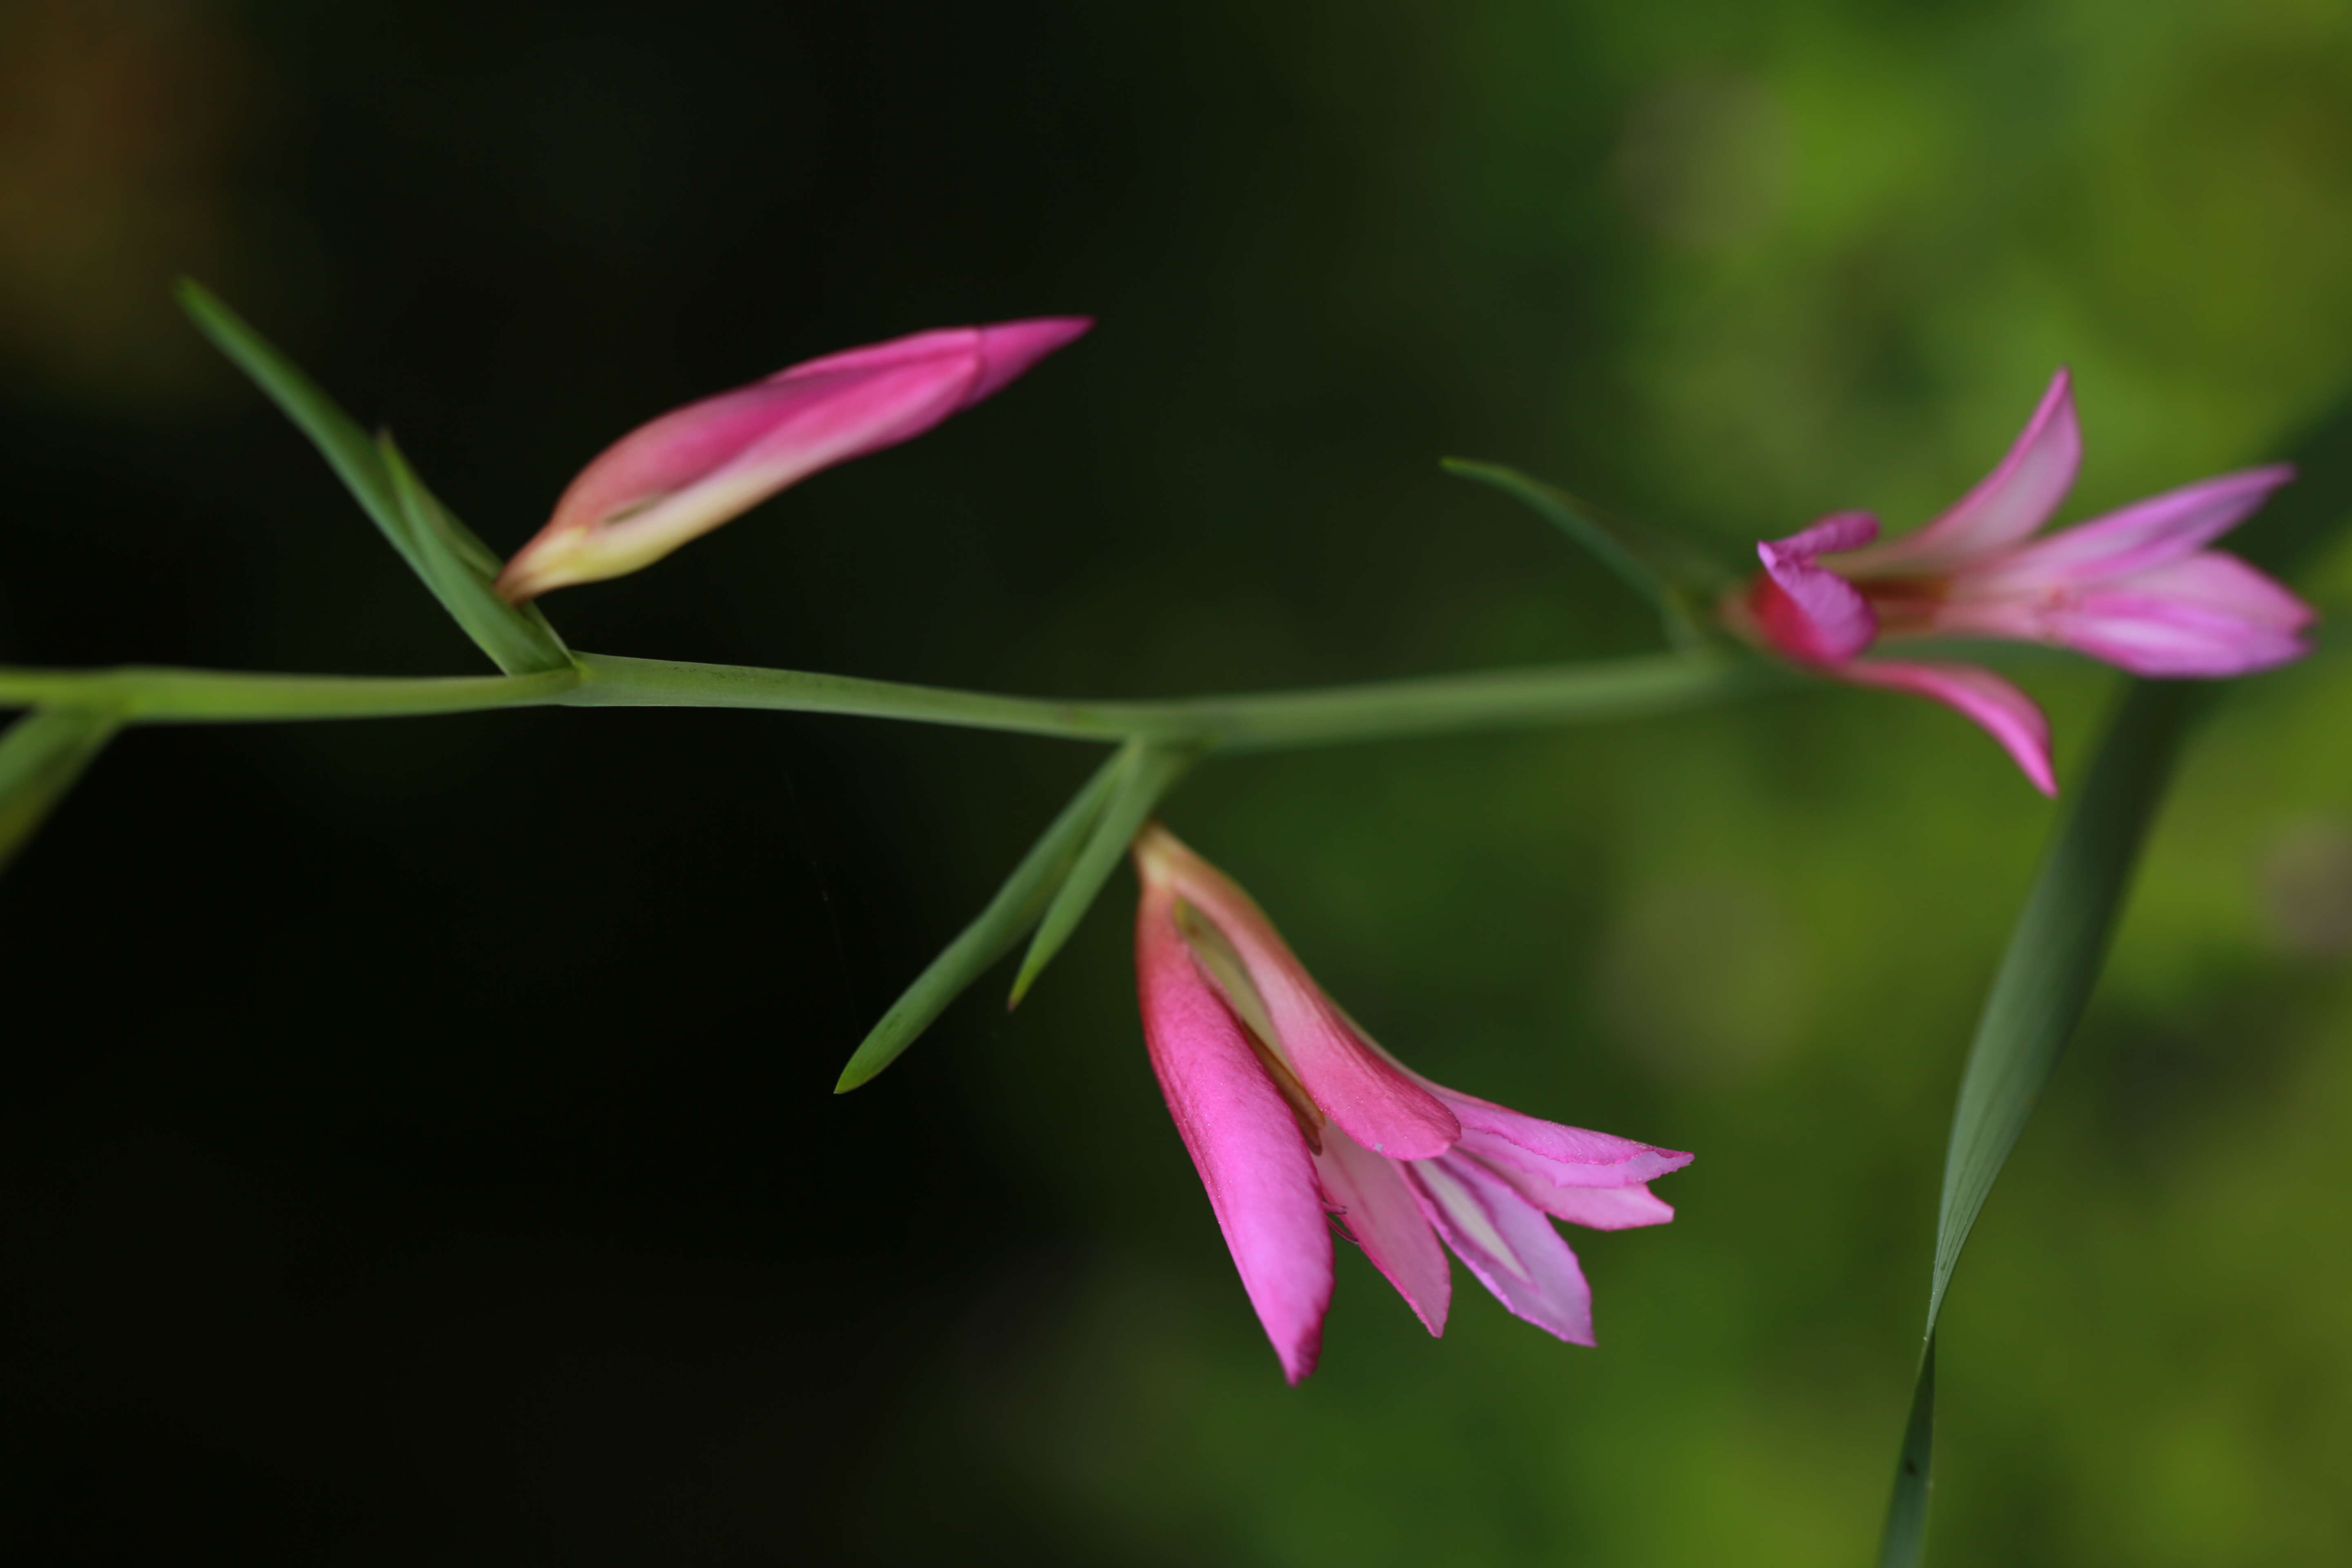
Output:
x=696 y=466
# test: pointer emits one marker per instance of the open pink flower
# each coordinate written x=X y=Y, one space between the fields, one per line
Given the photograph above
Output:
x=1292 y=1114
x=2136 y=588
x=696 y=466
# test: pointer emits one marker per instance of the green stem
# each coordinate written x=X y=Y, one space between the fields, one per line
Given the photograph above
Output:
x=1262 y=721
x=144 y=695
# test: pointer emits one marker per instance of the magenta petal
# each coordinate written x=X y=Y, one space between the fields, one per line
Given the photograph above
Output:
x=2004 y=712
x=1369 y=1194
x=2146 y=534
x=2210 y=616
x=1564 y=1156
x=1008 y=349
x=1254 y=1160
x=1381 y=1106
x=1507 y=1243
x=1835 y=622
x=2006 y=507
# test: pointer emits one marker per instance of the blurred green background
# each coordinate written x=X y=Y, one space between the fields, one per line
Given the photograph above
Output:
x=419 y=1144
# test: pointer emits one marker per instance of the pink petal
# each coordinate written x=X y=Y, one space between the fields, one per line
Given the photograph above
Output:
x=1810 y=612
x=998 y=354
x=2146 y=534
x=1563 y=1156
x=1604 y=1208
x=2210 y=615
x=1507 y=1243
x=1817 y=614
x=694 y=468
x=1252 y=1158
x=1369 y=1195
x=1839 y=531
x=1597 y=1208
x=2006 y=505
x=2004 y=712
x=1378 y=1102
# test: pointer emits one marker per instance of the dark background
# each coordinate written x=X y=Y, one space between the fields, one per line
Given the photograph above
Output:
x=417 y=1142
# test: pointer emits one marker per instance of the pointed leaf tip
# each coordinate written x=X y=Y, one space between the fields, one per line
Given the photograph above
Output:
x=990 y=937
x=1661 y=570
x=437 y=546
x=41 y=756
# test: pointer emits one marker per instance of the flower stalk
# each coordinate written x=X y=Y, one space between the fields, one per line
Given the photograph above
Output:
x=1256 y=721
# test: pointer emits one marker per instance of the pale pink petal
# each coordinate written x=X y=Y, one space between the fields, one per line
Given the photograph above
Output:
x=1369 y=1196
x=1603 y=1209
x=1597 y=1208
x=1378 y=1103
x=1833 y=620
x=2006 y=507
x=2210 y=616
x=2146 y=534
x=693 y=469
x=2004 y=712
x=1252 y=1155
x=1564 y=1156
x=1507 y=1243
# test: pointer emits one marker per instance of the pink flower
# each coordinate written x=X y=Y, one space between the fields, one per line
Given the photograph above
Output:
x=2136 y=588
x=1291 y=1113
x=696 y=466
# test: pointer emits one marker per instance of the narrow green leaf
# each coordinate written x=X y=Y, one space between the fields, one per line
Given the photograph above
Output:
x=989 y=938
x=337 y=435
x=1638 y=563
x=460 y=570
x=453 y=563
x=41 y=755
x=1907 y=1511
x=1146 y=771
x=2054 y=955
x=2045 y=979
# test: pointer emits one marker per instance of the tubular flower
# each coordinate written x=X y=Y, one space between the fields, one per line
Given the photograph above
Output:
x=1292 y=1114
x=694 y=468
x=2136 y=588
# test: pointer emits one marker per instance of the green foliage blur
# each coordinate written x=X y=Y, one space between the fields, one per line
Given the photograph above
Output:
x=1723 y=266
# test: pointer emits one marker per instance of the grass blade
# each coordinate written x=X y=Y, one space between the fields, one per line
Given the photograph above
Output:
x=991 y=936
x=1634 y=562
x=40 y=757
x=460 y=570
x=1146 y=772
